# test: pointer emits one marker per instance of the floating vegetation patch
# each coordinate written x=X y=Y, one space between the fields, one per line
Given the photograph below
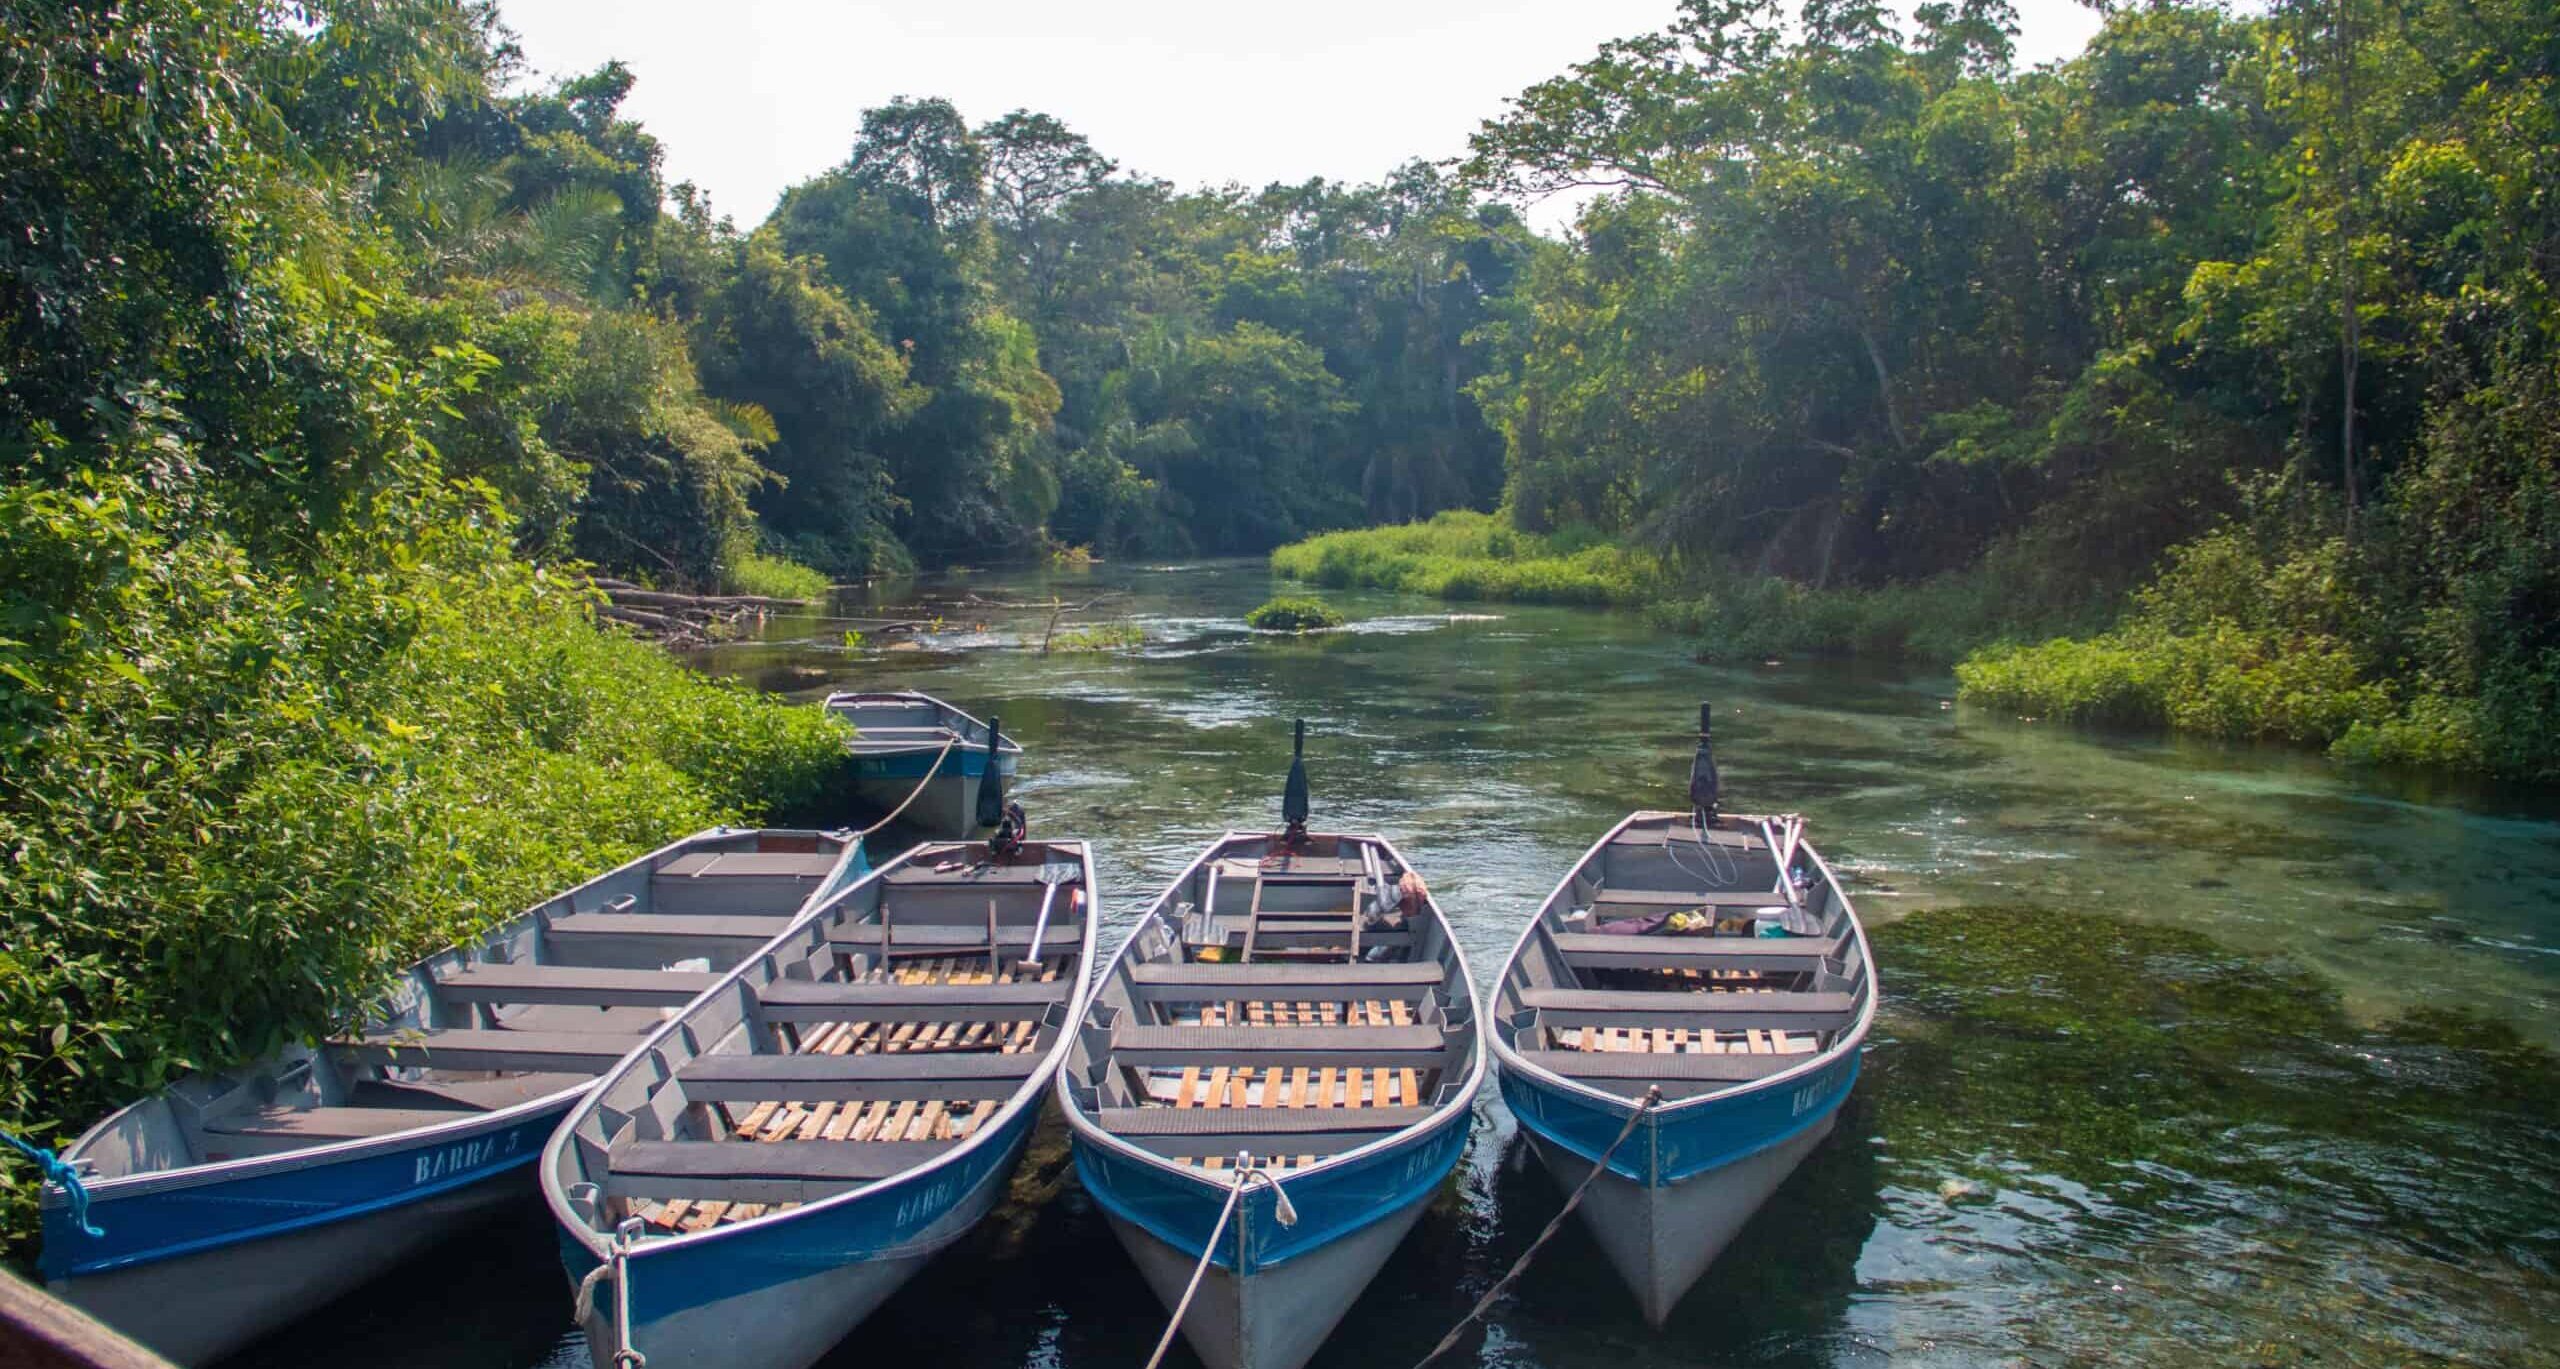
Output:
x=1286 y=614
x=1104 y=637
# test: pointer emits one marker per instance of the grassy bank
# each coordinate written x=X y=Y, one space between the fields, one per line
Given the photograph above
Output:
x=1475 y=556
x=240 y=792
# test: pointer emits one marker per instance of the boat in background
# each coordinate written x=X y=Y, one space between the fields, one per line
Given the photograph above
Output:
x=1293 y=1019
x=233 y=1203
x=925 y=760
x=780 y=1158
x=1715 y=958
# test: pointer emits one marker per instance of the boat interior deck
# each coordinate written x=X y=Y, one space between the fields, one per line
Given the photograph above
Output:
x=889 y=1031
x=1289 y=1006
x=1673 y=957
x=541 y=1004
x=901 y=721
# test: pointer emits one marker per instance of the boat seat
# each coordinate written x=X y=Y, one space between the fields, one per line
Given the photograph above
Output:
x=743 y=1078
x=996 y=876
x=803 y=1000
x=464 y=1095
x=1220 y=982
x=662 y=937
x=1681 y=1076
x=1601 y=951
x=1686 y=836
x=1269 y=1121
x=1143 y=1046
x=1686 y=898
x=1723 y=1011
x=725 y=864
x=758 y=1171
x=579 y=985
x=331 y=1124
x=470 y=1049
x=946 y=939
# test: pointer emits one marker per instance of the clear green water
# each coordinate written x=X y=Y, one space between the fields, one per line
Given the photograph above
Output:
x=2172 y=1105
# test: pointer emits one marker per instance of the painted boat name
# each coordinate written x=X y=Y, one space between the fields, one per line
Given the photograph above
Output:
x=462 y=1155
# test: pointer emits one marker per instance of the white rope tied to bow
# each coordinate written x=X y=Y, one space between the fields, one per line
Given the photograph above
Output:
x=1246 y=1173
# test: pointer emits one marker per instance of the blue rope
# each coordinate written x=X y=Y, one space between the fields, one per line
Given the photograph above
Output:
x=58 y=1172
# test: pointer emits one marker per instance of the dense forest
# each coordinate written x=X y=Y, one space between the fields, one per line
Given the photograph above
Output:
x=336 y=350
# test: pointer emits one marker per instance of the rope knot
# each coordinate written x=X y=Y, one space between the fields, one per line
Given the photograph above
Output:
x=58 y=1171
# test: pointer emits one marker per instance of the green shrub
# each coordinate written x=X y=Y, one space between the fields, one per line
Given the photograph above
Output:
x=1475 y=556
x=241 y=792
x=774 y=577
x=1293 y=615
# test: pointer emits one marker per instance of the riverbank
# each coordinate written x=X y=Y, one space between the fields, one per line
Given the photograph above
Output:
x=2231 y=641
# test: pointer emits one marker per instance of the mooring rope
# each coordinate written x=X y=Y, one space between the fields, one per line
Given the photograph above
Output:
x=947 y=744
x=1652 y=1097
x=618 y=1266
x=58 y=1171
x=1245 y=1174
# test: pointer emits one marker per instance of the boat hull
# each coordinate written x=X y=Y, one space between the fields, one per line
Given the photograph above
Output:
x=1296 y=1281
x=1686 y=1181
x=947 y=808
x=200 y=1269
x=781 y=1294
x=1276 y=1318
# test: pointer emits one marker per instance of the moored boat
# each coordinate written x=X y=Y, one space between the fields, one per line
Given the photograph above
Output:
x=1712 y=957
x=925 y=760
x=232 y=1203
x=779 y=1159
x=1289 y=1029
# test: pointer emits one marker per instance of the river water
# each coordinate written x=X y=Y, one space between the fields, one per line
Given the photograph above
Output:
x=2190 y=1054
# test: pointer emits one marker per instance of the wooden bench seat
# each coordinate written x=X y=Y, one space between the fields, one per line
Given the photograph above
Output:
x=1142 y=1047
x=1270 y=1121
x=572 y=984
x=737 y=864
x=758 y=1171
x=1282 y=982
x=802 y=1000
x=320 y=1125
x=658 y=938
x=743 y=1078
x=1722 y=1011
x=1680 y=1076
x=1600 y=951
x=1687 y=898
x=1686 y=836
x=467 y=1049
x=923 y=938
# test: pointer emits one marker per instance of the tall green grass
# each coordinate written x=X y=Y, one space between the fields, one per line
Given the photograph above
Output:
x=1475 y=556
x=775 y=577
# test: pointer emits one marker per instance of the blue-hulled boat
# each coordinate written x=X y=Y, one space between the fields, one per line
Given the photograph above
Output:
x=1292 y=1015
x=232 y=1203
x=1675 y=955
x=781 y=1157
x=914 y=751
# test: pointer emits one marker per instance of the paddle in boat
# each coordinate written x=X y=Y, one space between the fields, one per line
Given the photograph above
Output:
x=1712 y=957
x=915 y=752
x=1275 y=1074
x=776 y=1161
x=230 y=1204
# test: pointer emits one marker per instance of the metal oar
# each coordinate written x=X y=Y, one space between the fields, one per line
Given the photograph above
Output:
x=1052 y=874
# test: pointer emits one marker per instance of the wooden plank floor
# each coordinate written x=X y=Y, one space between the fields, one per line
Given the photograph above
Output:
x=902 y=1120
x=1289 y=1086
x=1694 y=1041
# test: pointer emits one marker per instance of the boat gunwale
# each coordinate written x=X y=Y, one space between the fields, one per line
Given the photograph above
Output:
x=1033 y=1088
x=1850 y=1042
x=464 y=1124
x=1462 y=1106
x=1011 y=746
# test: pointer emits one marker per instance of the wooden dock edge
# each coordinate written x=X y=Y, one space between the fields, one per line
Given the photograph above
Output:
x=40 y=1331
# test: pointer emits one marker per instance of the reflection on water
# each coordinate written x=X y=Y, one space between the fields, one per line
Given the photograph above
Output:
x=2205 y=1106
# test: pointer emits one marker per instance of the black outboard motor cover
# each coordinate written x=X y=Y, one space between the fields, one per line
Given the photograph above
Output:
x=1294 y=804
x=1706 y=788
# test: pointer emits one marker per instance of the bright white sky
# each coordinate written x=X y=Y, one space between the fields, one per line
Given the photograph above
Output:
x=752 y=96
